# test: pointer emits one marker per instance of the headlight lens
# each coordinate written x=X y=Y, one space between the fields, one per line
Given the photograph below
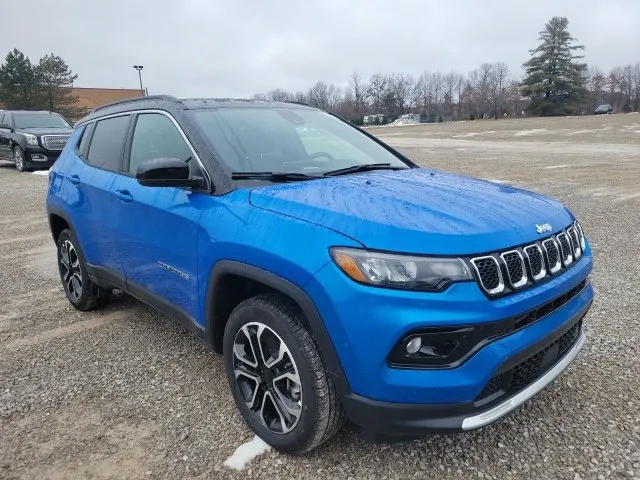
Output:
x=31 y=139
x=400 y=271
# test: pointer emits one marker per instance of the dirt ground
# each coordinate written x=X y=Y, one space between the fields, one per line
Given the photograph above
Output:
x=123 y=393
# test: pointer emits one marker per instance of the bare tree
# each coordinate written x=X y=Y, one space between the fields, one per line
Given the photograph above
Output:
x=359 y=92
x=376 y=91
x=319 y=95
x=401 y=86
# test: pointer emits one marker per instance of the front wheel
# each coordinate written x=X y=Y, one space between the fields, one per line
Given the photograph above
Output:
x=277 y=377
x=20 y=159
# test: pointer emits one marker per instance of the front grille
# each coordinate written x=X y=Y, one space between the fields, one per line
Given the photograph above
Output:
x=510 y=382
x=544 y=259
x=575 y=241
x=515 y=268
x=488 y=270
x=553 y=255
x=54 y=142
x=565 y=249
x=535 y=261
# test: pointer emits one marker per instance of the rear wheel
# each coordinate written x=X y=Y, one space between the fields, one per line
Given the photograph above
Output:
x=20 y=159
x=80 y=290
x=277 y=377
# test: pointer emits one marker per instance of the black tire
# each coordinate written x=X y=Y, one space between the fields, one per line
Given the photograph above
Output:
x=321 y=412
x=81 y=292
x=20 y=159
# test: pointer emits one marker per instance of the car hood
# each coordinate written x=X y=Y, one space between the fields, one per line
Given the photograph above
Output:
x=45 y=131
x=417 y=210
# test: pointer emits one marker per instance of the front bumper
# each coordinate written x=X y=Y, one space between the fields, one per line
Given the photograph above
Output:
x=38 y=157
x=385 y=420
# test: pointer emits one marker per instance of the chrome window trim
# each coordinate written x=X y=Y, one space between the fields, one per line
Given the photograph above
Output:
x=173 y=120
x=543 y=267
x=500 y=287
x=577 y=251
x=566 y=259
x=558 y=264
x=523 y=280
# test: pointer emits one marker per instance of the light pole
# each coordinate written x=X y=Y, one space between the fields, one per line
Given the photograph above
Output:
x=139 y=69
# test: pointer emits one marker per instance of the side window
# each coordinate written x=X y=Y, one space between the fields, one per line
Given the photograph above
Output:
x=83 y=147
x=155 y=136
x=106 y=143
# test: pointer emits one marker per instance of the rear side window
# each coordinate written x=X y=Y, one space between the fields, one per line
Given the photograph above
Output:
x=107 y=141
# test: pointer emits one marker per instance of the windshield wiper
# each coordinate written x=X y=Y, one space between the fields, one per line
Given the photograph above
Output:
x=362 y=168
x=272 y=176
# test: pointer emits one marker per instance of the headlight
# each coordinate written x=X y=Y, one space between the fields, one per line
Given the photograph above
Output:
x=400 y=271
x=31 y=139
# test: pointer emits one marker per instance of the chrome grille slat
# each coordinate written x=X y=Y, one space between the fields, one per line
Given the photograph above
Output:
x=565 y=249
x=575 y=242
x=553 y=254
x=512 y=269
x=517 y=273
x=489 y=274
x=54 y=142
x=536 y=261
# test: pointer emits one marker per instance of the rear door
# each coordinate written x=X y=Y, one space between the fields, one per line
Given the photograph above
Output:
x=95 y=209
x=5 y=136
x=157 y=227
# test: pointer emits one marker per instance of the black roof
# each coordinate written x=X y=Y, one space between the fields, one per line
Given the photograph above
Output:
x=167 y=102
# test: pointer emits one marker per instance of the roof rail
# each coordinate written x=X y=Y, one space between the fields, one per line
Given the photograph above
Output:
x=137 y=99
x=301 y=103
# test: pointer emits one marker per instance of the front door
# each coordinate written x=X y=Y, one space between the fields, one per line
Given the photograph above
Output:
x=157 y=227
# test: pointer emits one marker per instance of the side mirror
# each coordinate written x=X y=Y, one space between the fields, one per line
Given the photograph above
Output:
x=165 y=172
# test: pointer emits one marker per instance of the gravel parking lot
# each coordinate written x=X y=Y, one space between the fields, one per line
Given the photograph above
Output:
x=123 y=393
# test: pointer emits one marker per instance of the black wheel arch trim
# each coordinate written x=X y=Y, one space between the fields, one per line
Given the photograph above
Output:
x=318 y=330
x=51 y=211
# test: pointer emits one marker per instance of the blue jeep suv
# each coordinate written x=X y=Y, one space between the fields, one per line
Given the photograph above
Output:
x=337 y=278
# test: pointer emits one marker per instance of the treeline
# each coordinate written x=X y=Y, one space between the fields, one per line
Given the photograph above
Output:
x=556 y=82
x=488 y=91
x=45 y=85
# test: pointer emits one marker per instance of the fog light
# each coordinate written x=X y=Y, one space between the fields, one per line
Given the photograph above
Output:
x=414 y=345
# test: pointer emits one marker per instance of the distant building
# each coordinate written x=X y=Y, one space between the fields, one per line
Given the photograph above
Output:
x=89 y=98
x=376 y=119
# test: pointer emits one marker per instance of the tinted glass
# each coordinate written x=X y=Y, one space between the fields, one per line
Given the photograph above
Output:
x=39 y=120
x=156 y=136
x=107 y=141
x=287 y=140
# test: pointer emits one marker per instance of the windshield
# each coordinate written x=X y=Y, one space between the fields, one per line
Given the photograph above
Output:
x=39 y=120
x=288 y=140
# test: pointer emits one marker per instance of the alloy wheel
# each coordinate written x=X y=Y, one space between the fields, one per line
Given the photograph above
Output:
x=19 y=158
x=70 y=270
x=267 y=377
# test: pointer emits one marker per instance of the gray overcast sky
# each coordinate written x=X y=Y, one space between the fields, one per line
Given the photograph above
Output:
x=237 y=48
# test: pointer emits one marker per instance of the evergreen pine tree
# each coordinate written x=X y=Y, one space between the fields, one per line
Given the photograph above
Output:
x=18 y=86
x=555 y=80
x=56 y=81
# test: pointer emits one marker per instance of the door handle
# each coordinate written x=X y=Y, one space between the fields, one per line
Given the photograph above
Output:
x=124 y=195
x=75 y=179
